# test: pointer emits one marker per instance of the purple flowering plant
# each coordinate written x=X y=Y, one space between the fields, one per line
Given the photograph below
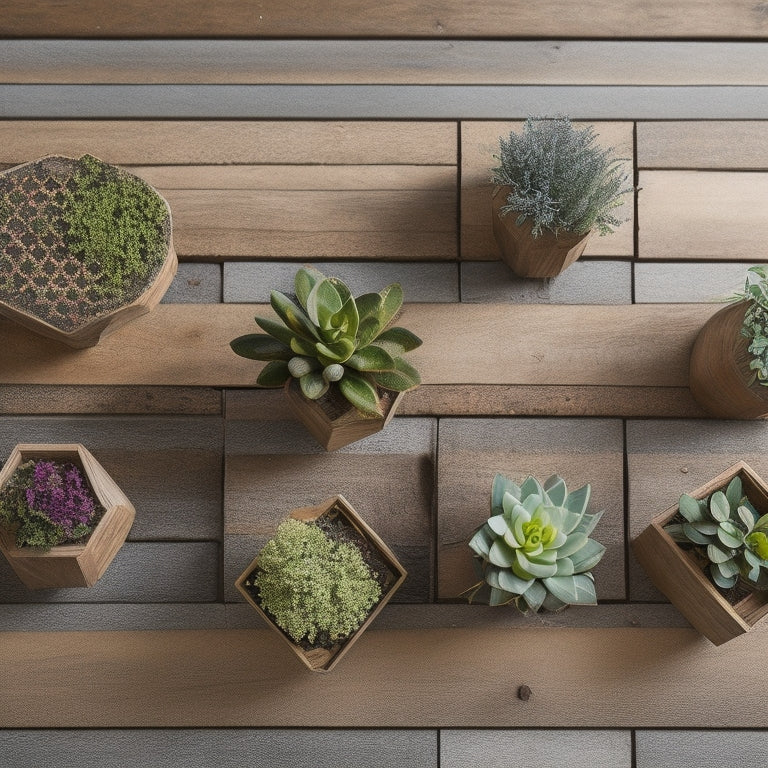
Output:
x=48 y=503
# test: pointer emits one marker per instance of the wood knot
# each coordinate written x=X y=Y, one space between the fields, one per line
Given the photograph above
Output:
x=524 y=693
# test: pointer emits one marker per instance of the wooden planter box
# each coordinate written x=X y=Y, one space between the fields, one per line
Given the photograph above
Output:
x=336 y=423
x=89 y=330
x=70 y=565
x=680 y=578
x=720 y=377
x=544 y=256
x=325 y=659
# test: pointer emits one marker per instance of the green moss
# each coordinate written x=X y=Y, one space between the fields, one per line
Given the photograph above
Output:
x=313 y=586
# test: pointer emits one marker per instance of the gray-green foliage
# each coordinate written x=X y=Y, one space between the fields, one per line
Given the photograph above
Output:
x=535 y=549
x=327 y=337
x=755 y=327
x=729 y=533
x=314 y=586
x=560 y=178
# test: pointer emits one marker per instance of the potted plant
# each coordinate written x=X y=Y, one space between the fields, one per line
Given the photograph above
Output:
x=321 y=580
x=534 y=550
x=338 y=357
x=84 y=248
x=554 y=186
x=728 y=373
x=62 y=517
x=709 y=553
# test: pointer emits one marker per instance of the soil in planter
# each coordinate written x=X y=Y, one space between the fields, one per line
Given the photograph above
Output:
x=50 y=271
x=337 y=528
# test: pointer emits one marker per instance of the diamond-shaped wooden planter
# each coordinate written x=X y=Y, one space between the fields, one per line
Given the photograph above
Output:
x=337 y=424
x=27 y=239
x=325 y=659
x=544 y=256
x=70 y=565
x=682 y=580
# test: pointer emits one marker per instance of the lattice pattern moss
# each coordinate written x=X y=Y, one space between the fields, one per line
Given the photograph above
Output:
x=67 y=255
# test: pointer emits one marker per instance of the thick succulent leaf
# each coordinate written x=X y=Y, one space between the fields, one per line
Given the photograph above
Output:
x=313 y=385
x=695 y=536
x=361 y=393
x=334 y=352
x=274 y=374
x=746 y=517
x=501 y=554
x=498 y=524
x=491 y=576
x=276 y=329
x=300 y=366
x=565 y=567
x=730 y=535
x=511 y=501
x=347 y=318
x=481 y=542
x=751 y=573
x=260 y=346
x=690 y=509
x=722 y=581
x=303 y=347
x=705 y=527
x=734 y=492
x=371 y=358
x=719 y=507
x=512 y=583
x=675 y=532
x=502 y=485
x=535 y=595
x=368 y=305
x=588 y=523
x=500 y=597
x=400 y=379
x=391 y=302
x=367 y=330
x=533 y=568
x=752 y=558
x=762 y=524
x=572 y=590
x=586 y=558
x=293 y=316
x=519 y=516
x=578 y=500
x=323 y=303
x=531 y=487
x=717 y=554
x=533 y=501
x=304 y=282
x=573 y=543
x=553 y=604
x=398 y=341
x=344 y=293
x=560 y=539
x=727 y=568
x=556 y=490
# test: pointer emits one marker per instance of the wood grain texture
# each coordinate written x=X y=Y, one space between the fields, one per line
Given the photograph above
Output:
x=479 y=144
x=252 y=680
x=717 y=215
x=472 y=451
x=188 y=344
x=367 y=18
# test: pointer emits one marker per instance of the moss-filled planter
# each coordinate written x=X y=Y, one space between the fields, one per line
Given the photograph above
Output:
x=84 y=248
x=341 y=523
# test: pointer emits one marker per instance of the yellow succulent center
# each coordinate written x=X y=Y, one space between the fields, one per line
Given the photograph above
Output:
x=758 y=543
x=537 y=535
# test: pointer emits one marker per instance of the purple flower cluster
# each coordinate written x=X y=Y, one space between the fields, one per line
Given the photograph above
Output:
x=61 y=493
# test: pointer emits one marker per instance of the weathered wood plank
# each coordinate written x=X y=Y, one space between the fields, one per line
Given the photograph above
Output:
x=183 y=142
x=697 y=144
x=688 y=281
x=555 y=62
x=700 y=749
x=472 y=451
x=647 y=678
x=368 y=18
x=701 y=216
x=188 y=344
x=479 y=144
x=169 y=467
x=549 y=749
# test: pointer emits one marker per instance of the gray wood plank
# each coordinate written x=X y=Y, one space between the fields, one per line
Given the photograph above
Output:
x=701 y=749
x=170 y=468
x=685 y=282
x=422 y=282
x=472 y=451
x=668 y=457
x=152 y=572
x=585 y=282
x=222 y=747
x=195 y=283
x=550 y=748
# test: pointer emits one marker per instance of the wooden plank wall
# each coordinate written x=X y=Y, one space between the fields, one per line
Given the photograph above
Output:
x=357 y=136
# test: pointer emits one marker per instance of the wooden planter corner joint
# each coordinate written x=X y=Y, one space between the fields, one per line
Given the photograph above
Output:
x=544 y=256
x=72 y=306
x=70 y=565
x=325 y=659
x=675 y=573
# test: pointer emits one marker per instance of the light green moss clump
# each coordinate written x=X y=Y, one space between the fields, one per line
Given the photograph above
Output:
x=312 y=585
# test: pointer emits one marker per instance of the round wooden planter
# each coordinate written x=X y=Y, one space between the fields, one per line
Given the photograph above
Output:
x=90 y=329
x=325 y=659
x=719 y=376
x=544 y=256
x=70 y=565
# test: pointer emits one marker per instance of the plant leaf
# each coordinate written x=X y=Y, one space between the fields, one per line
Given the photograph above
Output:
x=371 y=358
x=391 y=302
x=572 y=590
x=278 y=330
x=689 y=508
x=556 y=489
x=368 y=305
x=323 y=303
x=313 y=385
x=274 y=374
x=586 y=558
x=401 y=339
x=304 y=282
x=293 y=316
x=359 y=391
x=260 y=346
x=400 y=379
x=719 y=507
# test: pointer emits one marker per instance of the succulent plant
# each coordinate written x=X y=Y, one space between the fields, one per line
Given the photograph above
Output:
x=560 y=179
x=755 y=326
x=535 y=548
x=729 y=533
x=329 y=338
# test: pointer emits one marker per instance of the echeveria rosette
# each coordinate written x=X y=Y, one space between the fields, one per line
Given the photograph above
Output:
x=729 y=533
x=327 y=337
x=755 y=326
x=535 y=548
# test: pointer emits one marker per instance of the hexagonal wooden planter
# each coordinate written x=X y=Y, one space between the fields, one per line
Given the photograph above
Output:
x=325 y=659
x=42 y=286
x=70 y=565
x=675 y=572
x=544 y=256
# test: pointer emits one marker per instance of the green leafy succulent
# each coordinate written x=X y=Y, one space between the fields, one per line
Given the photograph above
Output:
x=755 y=326
x=535 y=548
x=729 y=533
x=329 y=338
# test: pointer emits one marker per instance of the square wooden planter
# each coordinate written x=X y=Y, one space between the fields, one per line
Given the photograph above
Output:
x=70 y=565
x=335 y=424
x=679 y=577
x=325 y=659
